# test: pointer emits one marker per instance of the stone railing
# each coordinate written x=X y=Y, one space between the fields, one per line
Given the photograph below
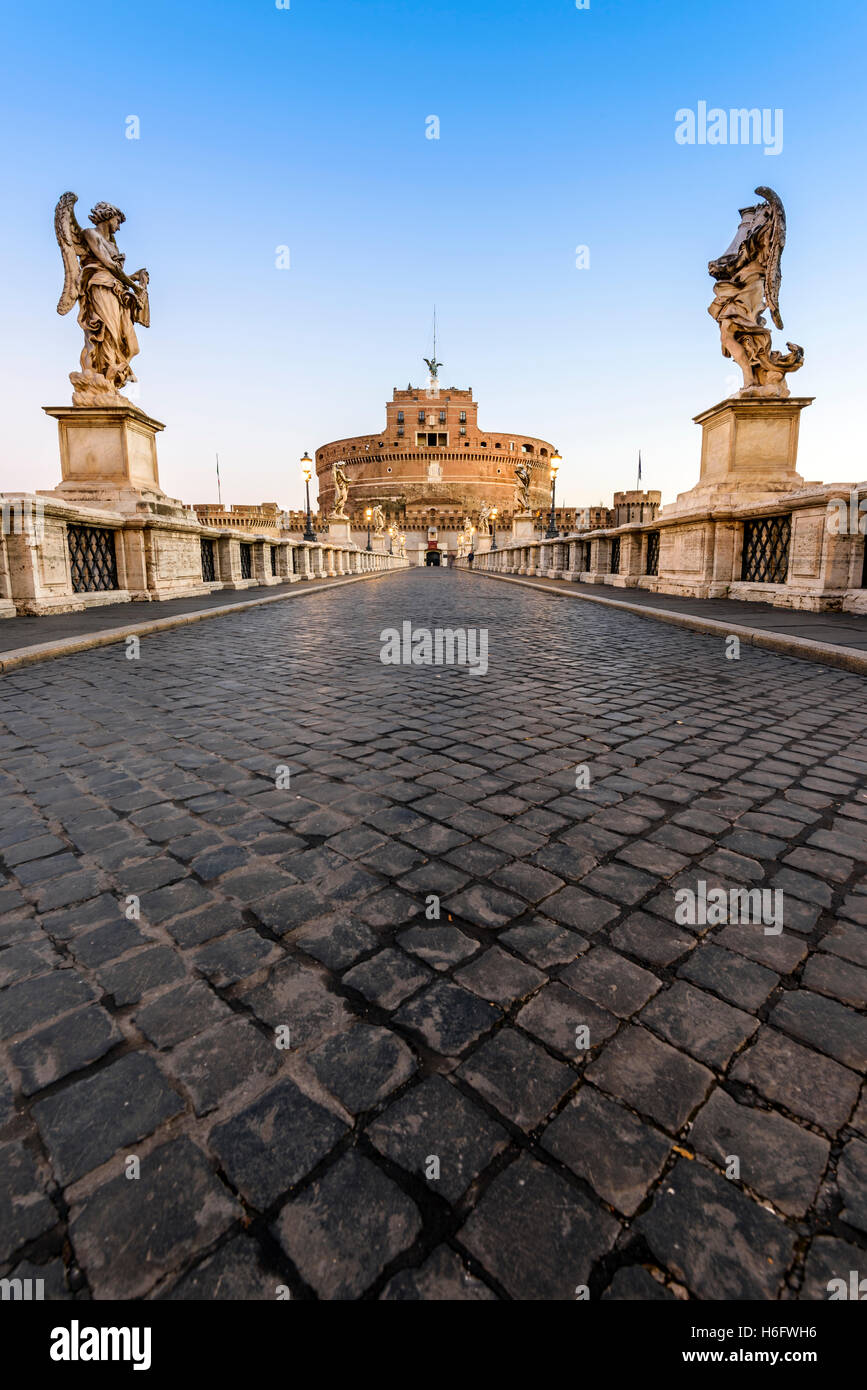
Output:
x=57 y=557
x=804 y=549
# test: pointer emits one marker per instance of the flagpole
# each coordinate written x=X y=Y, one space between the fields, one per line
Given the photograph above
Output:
x=638 y=484
x=219 y=495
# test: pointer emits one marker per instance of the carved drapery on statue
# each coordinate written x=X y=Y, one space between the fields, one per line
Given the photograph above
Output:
x=110 y=302
x=747 y=281
x=341 y=490
x=378 y=520
x=522 y=486
x=484 y=520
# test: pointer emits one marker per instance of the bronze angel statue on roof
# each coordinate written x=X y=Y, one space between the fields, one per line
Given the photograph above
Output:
x=747 y=281
x=110 y=302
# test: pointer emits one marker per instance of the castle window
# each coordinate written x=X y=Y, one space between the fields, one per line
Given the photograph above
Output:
x=400 y=430
x=400 y=417
x=463 y=429
x=498 y=446
x=463 y=417
x=484 y=444
x=442 y=417
x=544 y=453
x=526 y=448
x=421 y=417
x=388 y=470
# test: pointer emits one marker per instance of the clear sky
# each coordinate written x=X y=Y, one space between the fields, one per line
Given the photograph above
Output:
x=305 y=127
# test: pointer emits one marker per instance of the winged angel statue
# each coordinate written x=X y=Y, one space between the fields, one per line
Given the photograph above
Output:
x=110 y=302
x=747 y=281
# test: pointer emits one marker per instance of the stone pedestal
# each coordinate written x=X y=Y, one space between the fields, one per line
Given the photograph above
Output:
x=749 y=451
x=380 y=544
x=108 y=458
x=522 y=527
x=483 y=545
x=338 y=529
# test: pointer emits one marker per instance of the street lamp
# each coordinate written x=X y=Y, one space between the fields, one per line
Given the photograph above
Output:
x=555 y=465
x=494 y=529
x=403 y=546
x=368 y=513
x=391 y=536
x=307 y=471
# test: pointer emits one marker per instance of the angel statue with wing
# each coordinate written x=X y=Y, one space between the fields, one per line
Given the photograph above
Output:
x=110 y=302
x=747 y=281
x=378 y=520
x=484 y=520
x=341 y=489
x=522 y=486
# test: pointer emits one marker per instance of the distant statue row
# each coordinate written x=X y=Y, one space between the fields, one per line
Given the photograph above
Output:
x=111 y=303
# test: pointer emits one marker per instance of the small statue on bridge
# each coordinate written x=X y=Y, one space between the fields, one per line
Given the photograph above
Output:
x=378 y=520
x=110 y=302
x=484 y=520
x=341 y=489
x=522 y=486
x=747 y=281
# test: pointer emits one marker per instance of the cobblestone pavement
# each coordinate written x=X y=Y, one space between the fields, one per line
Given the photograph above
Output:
x=439 y=1126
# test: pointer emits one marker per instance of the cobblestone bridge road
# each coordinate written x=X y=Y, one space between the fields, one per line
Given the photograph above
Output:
x=438 y=1125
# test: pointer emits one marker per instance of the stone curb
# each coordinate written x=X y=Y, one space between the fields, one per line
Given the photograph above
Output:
x=804 y=648
x=68 y=646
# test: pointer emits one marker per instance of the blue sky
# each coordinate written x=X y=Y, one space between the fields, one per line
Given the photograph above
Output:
x=263 y=127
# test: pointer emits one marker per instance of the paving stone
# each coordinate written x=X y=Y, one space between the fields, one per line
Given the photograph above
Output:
x=64 y=1047
x=25 y=1210
x=829 y=1260
x=104 y=944
x=651 y=1076
x=526 y=880
x=215 y=862
x=517 y=1077
x=827 y=974
x=270 y=1145
x=298 y=997
x=486 y=906
x=476 y=858
x=802 y=1081
x=88 y=1121
x=175 y=898
x=25 y=1005
x=214 y=1063
x=697 y=1023
x=447 y=1017
x=388 y=977
x=435 y=1119
x=183 y=1011
x=574 y=908
x=193 y=928
x=442 y=1277
x=852 y=1182
x=235 y=957
x=362 y=1066
x=290 y=908
x=824 y=1024
x=713 y=1238
x=618 y=1155
x=536 y=1235
x=390 y=908
x=650 y=939
x=336 y=939
x=127 y=1235
x=736 y=979
x=127 y=981
x=544 y=943
x=52 y=1275
x=237 y=1272
x=848 y=941
x=438 y=946
x=779 y=1159
x=499 y=977
x=346 y=1228
x=782 y=954
x=555 y=1014
x=611 y=981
